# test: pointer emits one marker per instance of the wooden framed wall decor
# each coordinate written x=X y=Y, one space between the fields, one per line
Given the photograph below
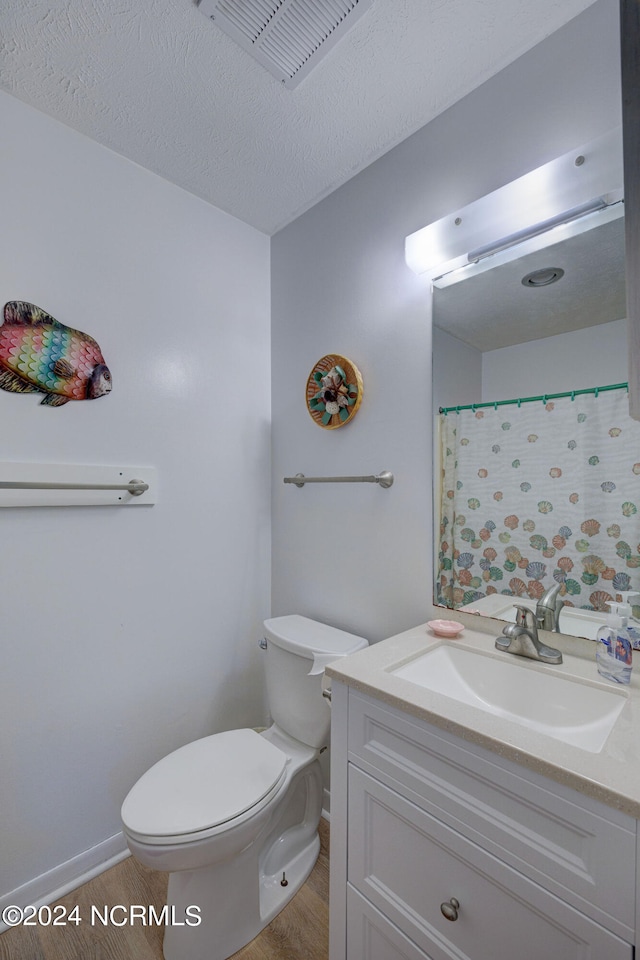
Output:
x=334 y=391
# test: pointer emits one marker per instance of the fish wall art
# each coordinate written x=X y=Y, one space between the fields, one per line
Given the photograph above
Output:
x=38 y=354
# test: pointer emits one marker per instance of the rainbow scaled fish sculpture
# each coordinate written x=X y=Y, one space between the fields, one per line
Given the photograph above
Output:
x=38 y=354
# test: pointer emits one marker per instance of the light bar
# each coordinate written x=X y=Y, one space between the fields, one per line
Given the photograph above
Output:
x=558 y=196
x=463 y=268
x=480 y=253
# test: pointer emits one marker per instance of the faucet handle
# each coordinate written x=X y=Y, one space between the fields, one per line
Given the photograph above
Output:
x=524 y=616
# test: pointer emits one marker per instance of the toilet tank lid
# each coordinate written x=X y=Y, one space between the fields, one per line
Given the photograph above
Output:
x=306 y=637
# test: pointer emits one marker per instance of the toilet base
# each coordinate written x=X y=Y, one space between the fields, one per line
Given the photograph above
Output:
x=273 y=895
x=237 y=898
x=204 y=943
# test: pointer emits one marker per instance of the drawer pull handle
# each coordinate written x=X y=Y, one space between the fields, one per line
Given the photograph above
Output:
x=450 y=909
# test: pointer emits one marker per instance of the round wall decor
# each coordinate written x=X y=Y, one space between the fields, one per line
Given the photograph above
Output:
x=334 y=391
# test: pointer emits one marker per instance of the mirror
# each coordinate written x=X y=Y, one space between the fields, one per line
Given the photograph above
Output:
x=496 y=340
x=548 y=324
x=499 y=338
x=536 y=448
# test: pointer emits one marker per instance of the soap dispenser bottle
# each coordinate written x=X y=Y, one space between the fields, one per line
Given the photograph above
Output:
x=613 y=646
x=633 y=625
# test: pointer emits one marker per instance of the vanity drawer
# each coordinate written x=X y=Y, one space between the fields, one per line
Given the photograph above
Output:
x=370 y=936
x=407 y=863
x=571 y=845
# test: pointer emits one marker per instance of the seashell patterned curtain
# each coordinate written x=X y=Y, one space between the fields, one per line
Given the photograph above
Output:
x=538 y=494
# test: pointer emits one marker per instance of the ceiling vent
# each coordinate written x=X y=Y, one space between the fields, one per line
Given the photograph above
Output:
x=288 y=37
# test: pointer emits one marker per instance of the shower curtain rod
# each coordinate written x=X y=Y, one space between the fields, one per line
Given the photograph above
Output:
x=543 y=397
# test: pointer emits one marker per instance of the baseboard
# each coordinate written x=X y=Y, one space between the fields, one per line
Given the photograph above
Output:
x=50 y=886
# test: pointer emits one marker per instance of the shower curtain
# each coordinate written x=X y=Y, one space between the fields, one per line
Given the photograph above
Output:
x=538 y=493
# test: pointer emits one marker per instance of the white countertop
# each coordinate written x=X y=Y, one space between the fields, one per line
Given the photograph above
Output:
x=611 y=776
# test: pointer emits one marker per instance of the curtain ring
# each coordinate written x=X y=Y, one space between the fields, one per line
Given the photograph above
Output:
x=519 y=402
x=573 y=395
x=544 y=399
x=596 y=392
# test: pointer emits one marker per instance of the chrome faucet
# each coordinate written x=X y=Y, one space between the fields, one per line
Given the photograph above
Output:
x=521 y=638
x=548 y=609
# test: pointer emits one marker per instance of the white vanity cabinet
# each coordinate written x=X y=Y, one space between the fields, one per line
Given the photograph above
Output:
x=425 y=824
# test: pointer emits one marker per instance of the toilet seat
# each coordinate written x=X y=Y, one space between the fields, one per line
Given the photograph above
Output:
x=202 y=786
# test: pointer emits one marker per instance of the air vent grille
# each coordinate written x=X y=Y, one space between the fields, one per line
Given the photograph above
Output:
x=288 y=37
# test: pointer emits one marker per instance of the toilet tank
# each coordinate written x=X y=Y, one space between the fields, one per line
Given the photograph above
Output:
x=296 y=652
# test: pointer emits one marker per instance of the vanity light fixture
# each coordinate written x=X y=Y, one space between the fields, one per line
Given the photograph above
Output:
x=463 y=267
x=536 y=229
x=526 y=242
x=573 y=193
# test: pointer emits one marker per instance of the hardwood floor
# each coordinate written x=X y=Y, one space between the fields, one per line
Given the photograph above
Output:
x=299 y=932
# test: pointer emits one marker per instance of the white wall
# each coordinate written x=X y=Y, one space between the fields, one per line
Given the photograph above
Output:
x=360 y=556
x=569 y=361
x=127 y=632
x=456 y=371
x=591 y=357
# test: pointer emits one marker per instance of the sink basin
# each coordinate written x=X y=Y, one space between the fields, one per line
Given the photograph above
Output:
x=564 y=708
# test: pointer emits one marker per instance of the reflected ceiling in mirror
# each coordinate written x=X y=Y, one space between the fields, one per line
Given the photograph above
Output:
x=494 y=309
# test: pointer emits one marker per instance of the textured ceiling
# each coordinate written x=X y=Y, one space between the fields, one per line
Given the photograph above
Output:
x=156 y=82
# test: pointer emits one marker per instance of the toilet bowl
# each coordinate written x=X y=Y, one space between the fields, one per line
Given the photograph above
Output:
x=233 y=817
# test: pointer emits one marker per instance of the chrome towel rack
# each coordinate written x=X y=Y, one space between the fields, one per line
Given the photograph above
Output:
x=384 y=479
x=134 y=487
x=76 y=484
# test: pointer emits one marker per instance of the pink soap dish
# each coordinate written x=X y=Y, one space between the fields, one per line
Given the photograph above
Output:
x=446 y=628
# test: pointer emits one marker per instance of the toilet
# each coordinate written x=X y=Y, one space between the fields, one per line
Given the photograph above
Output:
x=233 y=817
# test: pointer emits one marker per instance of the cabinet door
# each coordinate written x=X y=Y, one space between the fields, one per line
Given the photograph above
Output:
x=410 y=865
